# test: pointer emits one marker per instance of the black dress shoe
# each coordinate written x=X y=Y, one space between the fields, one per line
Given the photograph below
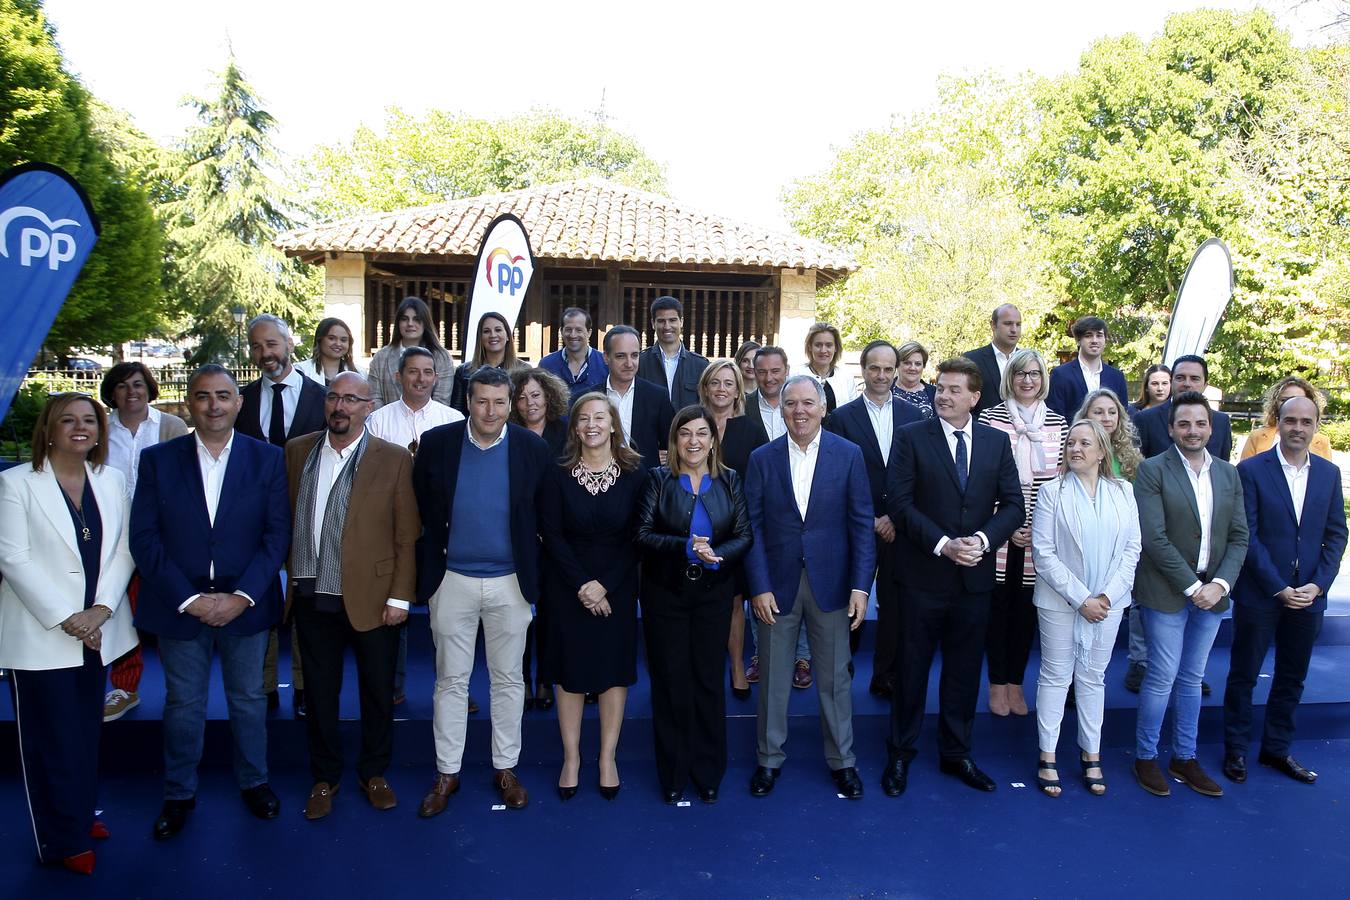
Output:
x=707 y=795
x=762 y=781
x=895 y=778
x=273 y=701
x=881 y=687
x=967 y=771
x=262 y=802
x=672 y=797
x=298 y=704
x=1289 y=766
x=172 y=817
x=849 y=784
x=1205 y=689
x=1235 y=767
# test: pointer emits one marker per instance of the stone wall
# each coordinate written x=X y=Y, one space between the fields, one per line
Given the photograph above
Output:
x=796 y=311
x=344 y=296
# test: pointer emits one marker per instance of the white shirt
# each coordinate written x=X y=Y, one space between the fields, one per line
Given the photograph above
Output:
x=398 y=424
x=290 y=399
x=310 y=370
x=883 y=423
x=949 y=432
x=624 y=403
x=802 y=464
x=772 y=416
x=1002 y=359
x=1297 y=479
x=213 y=476
x=124 y=448
x=1204 y=503
x=1093 y=377
x=670 y=363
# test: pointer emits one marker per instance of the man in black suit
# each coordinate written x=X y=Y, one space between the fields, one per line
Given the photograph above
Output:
x=668 y=362
x=872 y=421
x=1005 y=326
x=1189 y=373
x=643 y=407
x=953 y=494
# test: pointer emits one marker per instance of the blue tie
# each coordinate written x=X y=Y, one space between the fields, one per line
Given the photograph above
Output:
x=961 y=462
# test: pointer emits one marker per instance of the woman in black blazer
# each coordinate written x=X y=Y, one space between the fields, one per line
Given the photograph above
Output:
x=693 y=527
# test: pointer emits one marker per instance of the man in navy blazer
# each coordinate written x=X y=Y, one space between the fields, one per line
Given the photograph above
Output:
x=668 y=363
x=643 y=407
x=813 y=559
x=1070 y=382
x=1296 y=518
x=954 y=496
x=210 y=530
x=1189 y=373
x=1005 y=328
x=872 y=421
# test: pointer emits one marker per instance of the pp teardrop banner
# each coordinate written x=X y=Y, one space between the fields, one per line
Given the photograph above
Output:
x=501 y=276
x=1201 y=300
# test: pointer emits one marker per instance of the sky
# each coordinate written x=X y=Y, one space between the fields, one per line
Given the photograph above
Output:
x=735 y=99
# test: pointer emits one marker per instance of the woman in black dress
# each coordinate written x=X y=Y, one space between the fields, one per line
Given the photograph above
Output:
x=587 y=517
x=693 y=529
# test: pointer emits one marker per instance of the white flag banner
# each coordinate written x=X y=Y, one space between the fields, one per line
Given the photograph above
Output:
x=1201 y=300
x=501 y=276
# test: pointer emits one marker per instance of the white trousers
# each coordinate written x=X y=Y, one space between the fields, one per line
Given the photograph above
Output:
x=1061 y=665
x=457 y=607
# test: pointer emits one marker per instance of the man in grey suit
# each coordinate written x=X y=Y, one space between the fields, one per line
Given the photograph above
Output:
x=1194 y=529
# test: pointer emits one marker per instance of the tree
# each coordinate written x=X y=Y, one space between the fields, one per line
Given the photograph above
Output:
x=223 y=209
x=46 y=115
x=928 y=207
x=447 y=156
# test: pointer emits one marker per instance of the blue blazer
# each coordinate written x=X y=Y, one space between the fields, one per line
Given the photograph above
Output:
x=1154 y=439
x=308 y=417
x=435 y=477
x=834 y=543
x=1068 y=387
x=175 y=543
x=926 y=504
x=852 y=422
x=1284 y=552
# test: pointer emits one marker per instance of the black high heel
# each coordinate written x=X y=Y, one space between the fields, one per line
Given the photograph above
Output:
x=1045 y=784
x=1092 y=784
x=609 y=793
x=566 y=793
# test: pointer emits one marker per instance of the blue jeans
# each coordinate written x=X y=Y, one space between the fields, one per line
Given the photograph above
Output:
x=1178 y=648
x=187 y=674
x=803 y=646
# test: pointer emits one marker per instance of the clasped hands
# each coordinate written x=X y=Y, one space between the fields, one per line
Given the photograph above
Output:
x=964 y=551
x=218 y=609
x=1299 y=597
x=1208 y=596
x=595 y=598
x=86 y=626
x=1095 y=609
x=702 y=547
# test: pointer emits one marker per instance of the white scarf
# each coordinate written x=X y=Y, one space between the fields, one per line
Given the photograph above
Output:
x=1028 y=449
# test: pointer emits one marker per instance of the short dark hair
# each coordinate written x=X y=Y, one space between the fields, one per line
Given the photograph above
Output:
x=211 y=369
x=423 y=314
x=1088 y=323
x=1189 y=398
x=771 y=351
x=409 y=352
x=1192 y=358
x=962 y=366
x=665 y=302
x=490 y=376
x=682 y=418
x=572 y=311
x=618 y=330
x=123 y=372
x=877 y=345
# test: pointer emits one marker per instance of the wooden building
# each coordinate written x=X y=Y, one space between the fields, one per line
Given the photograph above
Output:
x=600 y=246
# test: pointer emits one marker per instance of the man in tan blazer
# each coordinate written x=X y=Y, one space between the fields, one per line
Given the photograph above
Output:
x=352 y=576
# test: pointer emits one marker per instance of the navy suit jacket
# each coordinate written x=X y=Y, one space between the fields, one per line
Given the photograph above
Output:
x=1154 y=439
x=989 y=376
x=834 y=543
x=926 y=504
x=687 y=372
x=652 y=414
x=852 y=422
x=435 y=477
x=308 y=417
x=1068 y=387
x=1282 y=551
x=175 y=543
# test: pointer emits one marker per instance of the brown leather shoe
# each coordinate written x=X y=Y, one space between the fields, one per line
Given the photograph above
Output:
x=320 y=801
x=1151 y=778
x=379 y=793
x=512 y=791
x=433 y=804
x=1189 y=771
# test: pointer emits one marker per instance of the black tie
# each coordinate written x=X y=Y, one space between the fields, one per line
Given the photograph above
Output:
x=276 y=429
x=961 y=462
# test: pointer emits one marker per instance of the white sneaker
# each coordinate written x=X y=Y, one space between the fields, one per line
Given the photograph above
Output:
x=118 y=703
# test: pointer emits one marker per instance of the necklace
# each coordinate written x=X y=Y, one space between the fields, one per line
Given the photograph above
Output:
x=85 y=533
x=596 y=482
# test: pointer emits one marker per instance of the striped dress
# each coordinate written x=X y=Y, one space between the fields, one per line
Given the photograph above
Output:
x=999 y=417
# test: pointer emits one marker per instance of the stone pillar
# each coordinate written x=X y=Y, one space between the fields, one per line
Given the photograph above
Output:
x=796 y=311
x=344 y=296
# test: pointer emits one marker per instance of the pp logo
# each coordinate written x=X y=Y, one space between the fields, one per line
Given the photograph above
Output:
x=509 y=275
x=36 y=244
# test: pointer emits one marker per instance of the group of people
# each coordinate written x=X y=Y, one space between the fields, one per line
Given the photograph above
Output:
x=546 y=504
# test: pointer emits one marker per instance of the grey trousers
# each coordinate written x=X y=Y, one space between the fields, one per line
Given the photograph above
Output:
x=828 y=637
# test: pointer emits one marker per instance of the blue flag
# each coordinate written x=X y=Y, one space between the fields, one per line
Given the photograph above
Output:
x=47 y=229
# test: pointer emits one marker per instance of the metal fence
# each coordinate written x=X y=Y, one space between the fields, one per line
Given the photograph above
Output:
x=172 y=380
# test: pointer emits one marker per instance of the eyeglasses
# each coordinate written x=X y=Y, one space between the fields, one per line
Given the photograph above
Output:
x=1029 y=375
x=345 y=399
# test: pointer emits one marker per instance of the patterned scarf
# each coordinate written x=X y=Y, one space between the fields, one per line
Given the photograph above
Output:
x=1028 y=449
x=323 y=564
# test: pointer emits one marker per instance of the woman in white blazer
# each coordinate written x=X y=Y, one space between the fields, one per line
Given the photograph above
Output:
x=1085 y=544
x=63 y=617
x=332 y=353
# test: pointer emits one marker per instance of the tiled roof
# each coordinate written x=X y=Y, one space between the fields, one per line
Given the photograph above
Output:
x=577 y=220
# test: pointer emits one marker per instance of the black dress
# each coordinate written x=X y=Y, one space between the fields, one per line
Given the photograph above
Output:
x=590 y=538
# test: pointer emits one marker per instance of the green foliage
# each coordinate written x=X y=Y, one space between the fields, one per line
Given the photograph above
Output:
x=46 y=115
x=446 y=156
x=16 y=432
x=1338 y=432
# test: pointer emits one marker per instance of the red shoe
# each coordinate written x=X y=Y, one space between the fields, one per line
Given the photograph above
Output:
x=801 y=674
x=80 y=863
x=752 y=670
x=99 y=831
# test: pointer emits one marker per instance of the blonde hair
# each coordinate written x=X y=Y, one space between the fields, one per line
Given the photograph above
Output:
x=825 y=328
x=1105 y=469
x=1124 y=441
x=1273 y=403
x=1020 y=361
x=46 y=421
x=627 y=458
x=704 y=380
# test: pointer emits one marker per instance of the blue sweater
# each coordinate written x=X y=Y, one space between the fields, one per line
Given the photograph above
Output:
x=480 y=523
